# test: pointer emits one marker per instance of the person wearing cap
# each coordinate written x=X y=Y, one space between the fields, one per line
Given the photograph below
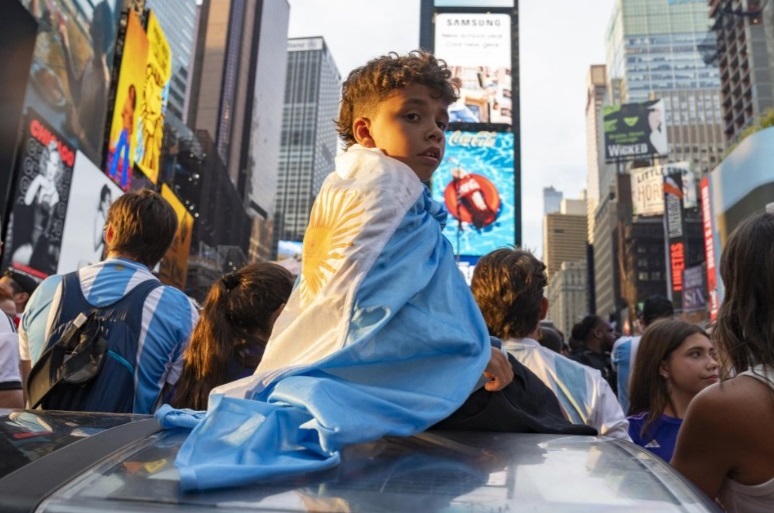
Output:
x=20 y=286
x=625 y=348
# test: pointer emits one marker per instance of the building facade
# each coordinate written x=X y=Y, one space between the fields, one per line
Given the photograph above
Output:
x=236 y=95
x=655 y=48
x=596 y=89
x=745 y=55
x=567 y=295
x=564 y=237
x=308 y=141
x=552 y=200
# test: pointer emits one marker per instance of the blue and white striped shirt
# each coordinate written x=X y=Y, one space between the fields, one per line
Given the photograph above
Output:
x=168 y=319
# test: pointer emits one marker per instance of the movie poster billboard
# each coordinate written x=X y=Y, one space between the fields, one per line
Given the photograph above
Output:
x=91 y=194
x=131 y=81
x=709 y=248
x=70 y=75
x=694 y=299
x=635 y=130
x=35 y=227
x=648 y=188
x=475 y=182
x=675 y=234
x=477 y=48
x=153 y=101
x=174 y=266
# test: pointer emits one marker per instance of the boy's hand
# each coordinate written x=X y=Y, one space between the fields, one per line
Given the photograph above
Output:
x=498 y=371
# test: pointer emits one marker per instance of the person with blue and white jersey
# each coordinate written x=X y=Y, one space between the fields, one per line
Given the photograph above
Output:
x=139 y=229
x=625 y=348
x=508 y=285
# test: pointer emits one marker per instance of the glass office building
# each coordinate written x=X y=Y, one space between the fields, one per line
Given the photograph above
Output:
x=308 y=143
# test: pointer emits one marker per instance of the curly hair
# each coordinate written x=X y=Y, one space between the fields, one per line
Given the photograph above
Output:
x=508 y=286
x=368 y=85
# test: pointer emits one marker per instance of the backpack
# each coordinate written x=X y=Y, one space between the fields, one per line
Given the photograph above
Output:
x=88 y=363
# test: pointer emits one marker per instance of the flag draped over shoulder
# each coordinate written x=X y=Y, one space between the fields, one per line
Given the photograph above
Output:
x=381 y=336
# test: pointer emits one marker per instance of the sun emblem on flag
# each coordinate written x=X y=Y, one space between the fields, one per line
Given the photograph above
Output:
x=337 y=216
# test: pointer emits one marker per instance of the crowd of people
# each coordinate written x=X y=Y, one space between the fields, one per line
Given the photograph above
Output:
x=681 y=392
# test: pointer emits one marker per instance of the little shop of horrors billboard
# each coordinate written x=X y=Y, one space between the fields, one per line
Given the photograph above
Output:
x=475 y=182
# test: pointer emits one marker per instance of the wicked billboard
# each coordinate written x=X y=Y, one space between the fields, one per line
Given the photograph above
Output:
x=635 y=130
x=476 y=184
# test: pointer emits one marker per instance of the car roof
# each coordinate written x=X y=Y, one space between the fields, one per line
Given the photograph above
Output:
x=432 y=471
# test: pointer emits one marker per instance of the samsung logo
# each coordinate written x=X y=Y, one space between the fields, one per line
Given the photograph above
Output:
x=456 y=22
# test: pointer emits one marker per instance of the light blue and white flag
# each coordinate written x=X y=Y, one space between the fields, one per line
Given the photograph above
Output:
x=381 y=336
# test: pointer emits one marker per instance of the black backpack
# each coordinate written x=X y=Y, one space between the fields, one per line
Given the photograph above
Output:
x=88 y=363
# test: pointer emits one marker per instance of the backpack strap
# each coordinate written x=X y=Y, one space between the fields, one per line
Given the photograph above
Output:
x=51 y=369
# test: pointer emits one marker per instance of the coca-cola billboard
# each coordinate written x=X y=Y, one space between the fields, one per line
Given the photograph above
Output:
x=476 y=184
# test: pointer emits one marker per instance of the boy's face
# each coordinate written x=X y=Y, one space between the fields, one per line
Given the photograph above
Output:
x=408 y=126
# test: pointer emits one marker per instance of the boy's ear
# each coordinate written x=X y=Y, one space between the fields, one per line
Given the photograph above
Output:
x=362 y=131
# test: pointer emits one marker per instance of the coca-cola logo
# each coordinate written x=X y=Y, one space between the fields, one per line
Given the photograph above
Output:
x=475 y=139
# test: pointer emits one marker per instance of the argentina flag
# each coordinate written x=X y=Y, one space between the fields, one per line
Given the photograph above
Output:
x=381 y=336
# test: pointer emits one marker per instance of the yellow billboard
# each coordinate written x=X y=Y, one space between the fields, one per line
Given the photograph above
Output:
x=174 y=265
x=121 y=144
x=153 y=100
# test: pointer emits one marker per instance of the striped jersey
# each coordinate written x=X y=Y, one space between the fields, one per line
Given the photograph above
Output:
x=622 y=358
x=168 y=318
x=9 y=354
x=584 y=395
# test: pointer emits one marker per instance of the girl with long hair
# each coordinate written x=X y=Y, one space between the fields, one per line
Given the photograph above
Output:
x=675 y=361
x=234 y=326
x=726 y=445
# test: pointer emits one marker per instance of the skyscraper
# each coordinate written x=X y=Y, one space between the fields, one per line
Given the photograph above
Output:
x=654 y=47
x=744 y=53
x=596 y=88
x=308 y=142
x=239 y=77
x=564 y=236
x=552 y=200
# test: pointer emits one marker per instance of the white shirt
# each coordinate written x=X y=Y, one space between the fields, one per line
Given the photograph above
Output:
x=584 y=395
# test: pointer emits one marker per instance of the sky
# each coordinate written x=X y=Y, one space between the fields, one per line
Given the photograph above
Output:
x=559 y=40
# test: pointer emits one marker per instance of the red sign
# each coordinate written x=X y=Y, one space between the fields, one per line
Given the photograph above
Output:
x=709 y=248
x=677 y=263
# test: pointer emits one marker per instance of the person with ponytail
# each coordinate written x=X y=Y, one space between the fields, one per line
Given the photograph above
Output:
x=234 y=325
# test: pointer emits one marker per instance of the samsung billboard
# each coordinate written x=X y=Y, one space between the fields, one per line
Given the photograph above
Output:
x=477 y=49
x=475 y=182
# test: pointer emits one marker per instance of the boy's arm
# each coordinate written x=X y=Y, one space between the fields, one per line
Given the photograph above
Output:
x=498 y=371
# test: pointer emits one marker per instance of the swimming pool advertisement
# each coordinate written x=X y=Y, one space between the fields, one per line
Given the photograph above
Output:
x=475 y=182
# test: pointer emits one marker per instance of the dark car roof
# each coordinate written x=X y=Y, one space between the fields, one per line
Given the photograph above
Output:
x=434 y=471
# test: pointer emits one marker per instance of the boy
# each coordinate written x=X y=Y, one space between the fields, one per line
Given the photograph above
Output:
x=381 y=335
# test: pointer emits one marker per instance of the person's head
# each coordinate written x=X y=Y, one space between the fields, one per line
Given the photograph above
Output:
x=508 y=286
x=235 y=323
x=550 y=338
x=595 y=333
x=7 y=304
x=744 y=330
x=675 y=361
x=140 y=226
x=50 y=160
x=19 y=285
x=655 y=307
x=654 y=118
x=398 y=104
x=105 y=199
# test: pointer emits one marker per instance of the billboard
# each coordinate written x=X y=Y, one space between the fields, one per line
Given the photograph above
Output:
x=635 y=130
x=174 y=266
x=648 y=188
x=693 y=289
x=119 y=161
x=153 y=101
x=91 y=194
x=675 y=235
x=37 y=219
x=709 y=248
x=477 y=49
x=475 y=182
x=70 y=75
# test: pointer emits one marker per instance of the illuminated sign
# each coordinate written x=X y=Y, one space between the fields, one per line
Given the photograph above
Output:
x=635 y=130
x=709 y=248
x=477 y=49
x=476 y=184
